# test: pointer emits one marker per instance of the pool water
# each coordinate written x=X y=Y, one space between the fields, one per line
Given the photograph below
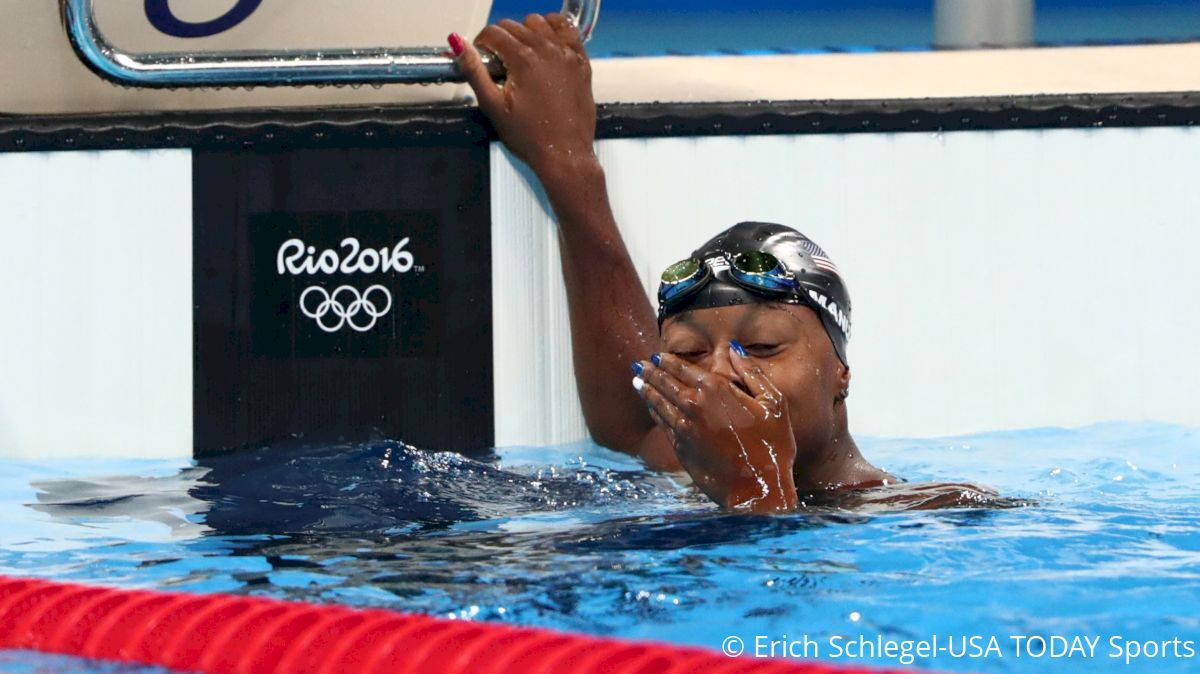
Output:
x=658 y=27
x=25 y=662
x=583 y=539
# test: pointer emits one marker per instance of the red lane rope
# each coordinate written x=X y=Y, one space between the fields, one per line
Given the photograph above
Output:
x=225 y=634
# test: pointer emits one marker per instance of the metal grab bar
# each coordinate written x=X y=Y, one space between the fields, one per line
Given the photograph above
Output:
x=288 y=67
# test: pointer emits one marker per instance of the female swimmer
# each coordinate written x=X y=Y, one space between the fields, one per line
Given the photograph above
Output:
x=740 y=377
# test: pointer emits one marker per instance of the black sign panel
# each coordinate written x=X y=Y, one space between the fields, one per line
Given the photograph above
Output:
x=342 y=295
x=353 y=282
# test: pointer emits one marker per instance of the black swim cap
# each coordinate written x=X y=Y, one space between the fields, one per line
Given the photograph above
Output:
x=820 y=285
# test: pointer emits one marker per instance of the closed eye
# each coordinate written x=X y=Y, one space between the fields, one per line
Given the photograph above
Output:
x=762 y=349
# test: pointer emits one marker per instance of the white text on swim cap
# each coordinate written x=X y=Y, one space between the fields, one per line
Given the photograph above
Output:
x=839 y=317
x=717 y=263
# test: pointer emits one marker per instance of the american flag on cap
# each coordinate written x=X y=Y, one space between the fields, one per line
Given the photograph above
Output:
x=819 y=258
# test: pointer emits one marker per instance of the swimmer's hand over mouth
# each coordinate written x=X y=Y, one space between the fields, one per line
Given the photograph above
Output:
x=544 y=108
x=734 y=437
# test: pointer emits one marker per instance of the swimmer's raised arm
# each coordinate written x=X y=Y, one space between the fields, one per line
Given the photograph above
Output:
x=545 y=114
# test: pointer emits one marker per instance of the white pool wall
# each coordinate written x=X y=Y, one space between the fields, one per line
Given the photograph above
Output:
x=96 y=315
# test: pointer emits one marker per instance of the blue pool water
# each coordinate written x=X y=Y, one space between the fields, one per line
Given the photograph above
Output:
x=24 y=662
x=582 y=539
x=655 y=27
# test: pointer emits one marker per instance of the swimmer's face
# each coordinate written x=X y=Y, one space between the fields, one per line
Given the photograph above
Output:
x=791 y=346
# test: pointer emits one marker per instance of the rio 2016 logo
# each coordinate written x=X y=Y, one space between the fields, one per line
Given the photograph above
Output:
x=345 y=306
x=161 y=17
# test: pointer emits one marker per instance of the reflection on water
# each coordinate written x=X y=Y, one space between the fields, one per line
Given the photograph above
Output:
x=163 y=500
x=584 y=539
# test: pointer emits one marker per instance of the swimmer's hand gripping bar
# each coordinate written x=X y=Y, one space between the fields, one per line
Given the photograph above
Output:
x=287 y=67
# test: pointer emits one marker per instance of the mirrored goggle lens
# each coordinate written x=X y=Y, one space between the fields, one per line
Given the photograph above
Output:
x=681 y=279
x=763 y=271
x=680 y=271
x=757 y=262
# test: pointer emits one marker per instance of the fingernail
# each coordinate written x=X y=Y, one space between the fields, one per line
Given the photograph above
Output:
x=737 y=348
x=656 y=359
x=638 y=383
x=637 y=368
x=457 y=43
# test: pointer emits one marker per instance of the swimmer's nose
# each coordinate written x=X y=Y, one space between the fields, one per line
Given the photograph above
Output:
x=722 y=364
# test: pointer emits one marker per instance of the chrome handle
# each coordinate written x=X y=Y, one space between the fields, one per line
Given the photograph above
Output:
x=287 y=67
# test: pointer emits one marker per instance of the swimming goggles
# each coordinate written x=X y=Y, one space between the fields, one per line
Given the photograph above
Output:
x=755 y=271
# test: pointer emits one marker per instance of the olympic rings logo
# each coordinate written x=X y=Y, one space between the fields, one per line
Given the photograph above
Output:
x=346 y=305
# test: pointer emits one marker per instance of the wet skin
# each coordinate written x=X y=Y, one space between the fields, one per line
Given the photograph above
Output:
x=776 y=409
x=781 y=403
x=765 y=432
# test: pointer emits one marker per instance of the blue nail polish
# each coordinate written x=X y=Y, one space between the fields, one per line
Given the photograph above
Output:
x=637 y=368
x=656 y=359
x=738 y=348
